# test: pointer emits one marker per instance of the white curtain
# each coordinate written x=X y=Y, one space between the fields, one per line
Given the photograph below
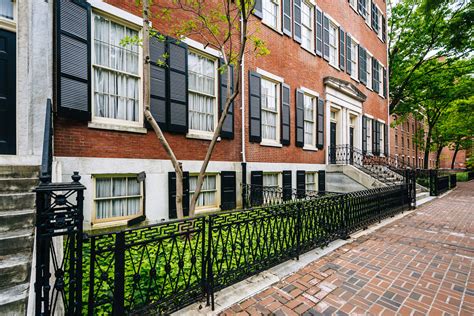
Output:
x=306 y=21
x=202 y=101
x=309 y=129
x=207 y=197
x=310 y=181
x=116 y=94
x=269 y=110
x=112 y=188
x=270 y=12
x=6 y=9
x=270 y=180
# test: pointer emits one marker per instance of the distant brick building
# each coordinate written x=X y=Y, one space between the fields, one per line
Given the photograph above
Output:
x=323 y=84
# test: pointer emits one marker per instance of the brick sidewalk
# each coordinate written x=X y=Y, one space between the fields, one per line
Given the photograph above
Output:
x=421 y=264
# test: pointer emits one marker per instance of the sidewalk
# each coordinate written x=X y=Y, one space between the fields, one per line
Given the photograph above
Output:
x=421 y=264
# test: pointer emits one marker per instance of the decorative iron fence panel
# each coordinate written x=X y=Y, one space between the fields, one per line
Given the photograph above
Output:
x=442 y=184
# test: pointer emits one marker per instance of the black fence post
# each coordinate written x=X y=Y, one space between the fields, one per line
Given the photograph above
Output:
x=210 y=258
x=321 y=182
x=119 y=276
x=434 y=182
x=345 y=216
x=244 y=185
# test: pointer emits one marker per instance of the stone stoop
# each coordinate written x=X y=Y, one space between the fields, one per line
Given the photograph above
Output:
x=17 y=213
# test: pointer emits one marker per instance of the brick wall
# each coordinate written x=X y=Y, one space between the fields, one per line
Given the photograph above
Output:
x=287 y=59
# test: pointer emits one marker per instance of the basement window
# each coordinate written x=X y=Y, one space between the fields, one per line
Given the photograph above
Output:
x=7 y=9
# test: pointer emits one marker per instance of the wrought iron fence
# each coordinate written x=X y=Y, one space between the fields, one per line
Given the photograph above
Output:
x=164 y=267
x=470 y=175
x=452 y=181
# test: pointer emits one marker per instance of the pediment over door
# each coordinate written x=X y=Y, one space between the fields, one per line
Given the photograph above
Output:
x=345 y=87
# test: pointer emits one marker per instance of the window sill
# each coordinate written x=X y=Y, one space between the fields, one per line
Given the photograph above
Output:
x=213 y=209
x=271 y=27
x=310 y=148
x=119 y=128
x=195 y=135
x=335 y=67
x=308 y=50
x=270 y=144
x=9 y=25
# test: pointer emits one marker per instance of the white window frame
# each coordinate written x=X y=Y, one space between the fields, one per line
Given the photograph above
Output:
x=279 y=178
x=217 y=202
x=200 y=133
x=355 y=60
x=311 y=7
x=96 y=220
x=111 y=121
x=277 y=81
x=315 y=183
x=10 y=24
x=368 y=10
x=369 y=71
x=334 y=49
x=278 y=19
x=313 y=97
x=353 y=4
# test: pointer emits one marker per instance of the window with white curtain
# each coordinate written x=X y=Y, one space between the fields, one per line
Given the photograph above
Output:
x=310 y=181
x=271 y=179
x=7 y=9
x=309 y=120
x=307 y=24
x=208 y=195
x=202 y=74
x=354 y=60
x=117 y=197
x=369 y=71
x=333 y=44
x=369 y=136
x=271 y=12
x=116 y=71
x=270 y=121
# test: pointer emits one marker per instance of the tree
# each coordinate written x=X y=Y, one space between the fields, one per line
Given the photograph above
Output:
x=222 y=25
x=421 y=31
x=430 y=97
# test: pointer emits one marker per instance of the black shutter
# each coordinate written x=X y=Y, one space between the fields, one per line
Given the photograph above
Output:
x=384 y=29
x=285 y=114
x=158 y=82
x=287 y=186
x=364 y=135
x=322 y=181
x=228 y=126
x=255 y=112
x=297 y=20
x=228 y=192
x=379 y=138
x=257 y=10
x=374 y=136
x=385 y=83
x=375 y=75
x=287 y=17
x=320 y=126
x=300 y=184
x=362 y=65
x=178 y=86
x=73 y=55
x=256 y=193
x=385 y=139
x=319 y=32
x=348 y=54
x=342 y=49
x=172 y=194
x=299 y=118
x=325 y=37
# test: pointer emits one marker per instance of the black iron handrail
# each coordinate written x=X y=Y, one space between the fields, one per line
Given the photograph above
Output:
x=47 y=156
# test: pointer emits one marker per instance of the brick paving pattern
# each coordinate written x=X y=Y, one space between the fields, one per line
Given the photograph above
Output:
x=419 y=265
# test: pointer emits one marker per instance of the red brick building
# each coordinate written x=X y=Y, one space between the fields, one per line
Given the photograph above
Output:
x=323 y=84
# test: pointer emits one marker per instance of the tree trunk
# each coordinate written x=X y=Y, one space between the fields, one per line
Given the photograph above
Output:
x=454 y=156
x=149 y=117
x=427 y=149
x=438 y=155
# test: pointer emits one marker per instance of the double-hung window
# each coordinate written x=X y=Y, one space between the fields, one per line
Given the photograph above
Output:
x=7 y=9
x=117 y=197
x=369 y=136
x=309 y=121
x=333 y=44
x=271 y=13
x=208 y=195
x=270 y=110
x=307 y=24
x=271 y=180
x=202 y=88
x=310 y=181
x=354 y=60
x=362 y=8
x=116 y=74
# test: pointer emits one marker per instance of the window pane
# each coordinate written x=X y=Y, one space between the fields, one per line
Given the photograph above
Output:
x=269 y=110
x=109 y=192
x=270 y=180
x=270 y=12
x=307 y=23
x=207 y=197
x=103 y=187
x=6 y=9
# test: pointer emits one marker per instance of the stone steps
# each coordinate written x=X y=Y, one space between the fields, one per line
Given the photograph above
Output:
x=17 y=215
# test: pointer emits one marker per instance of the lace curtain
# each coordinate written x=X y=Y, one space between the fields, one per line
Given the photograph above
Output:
x=117 y=197
x=202 y=95
x=207 y=197
x=116 y=70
